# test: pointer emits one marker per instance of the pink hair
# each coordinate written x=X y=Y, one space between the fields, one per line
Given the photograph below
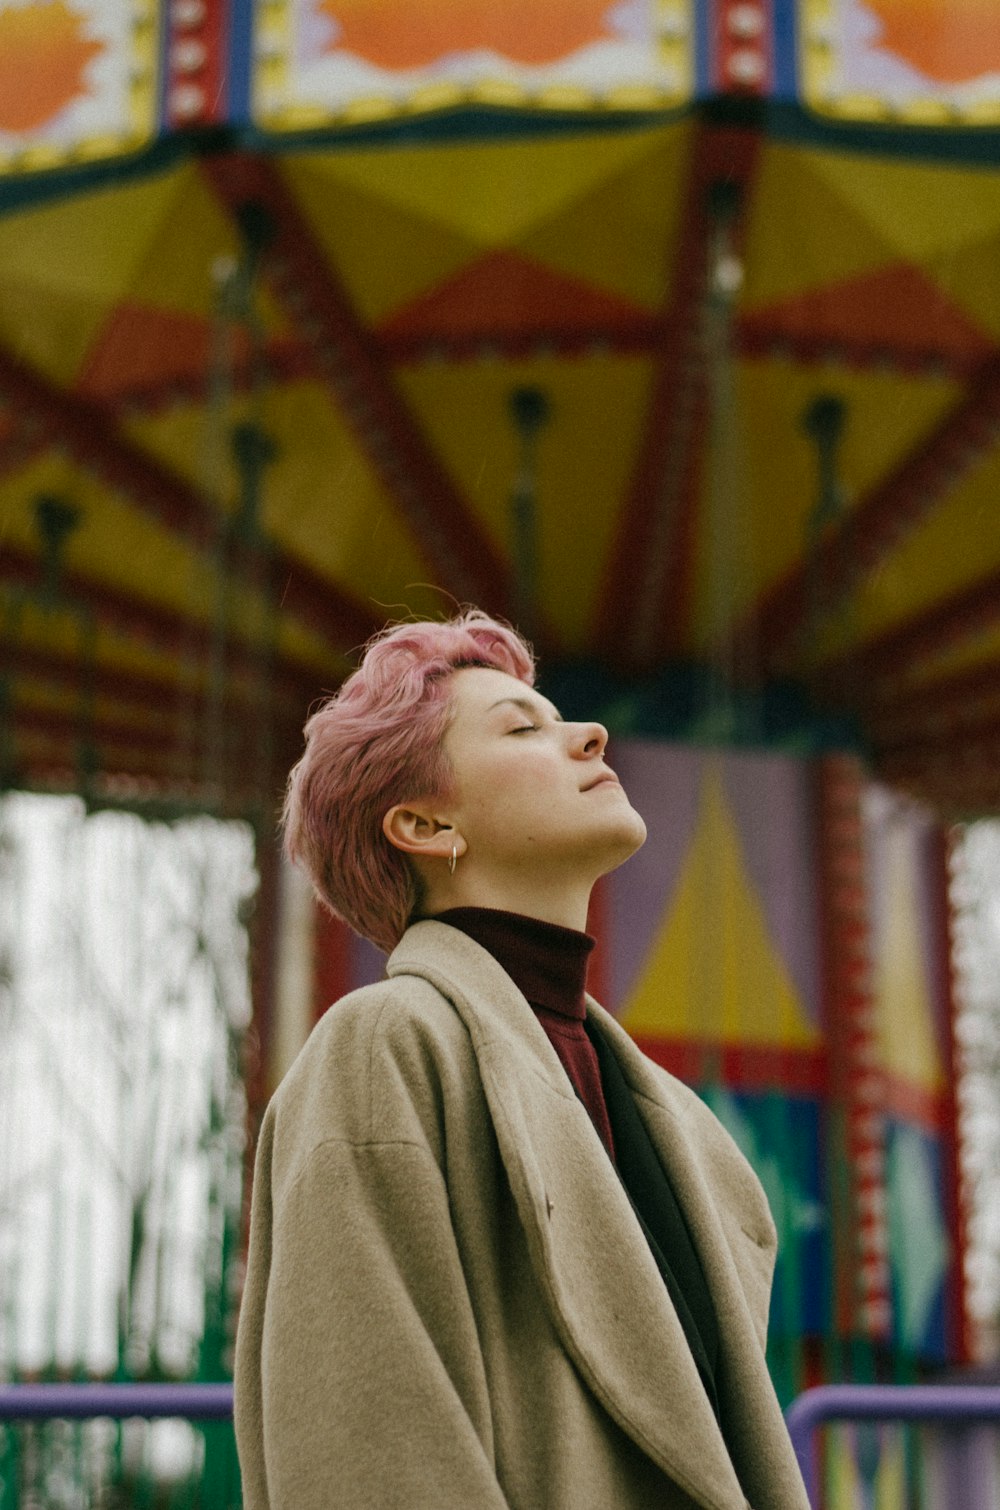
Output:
x=376 y=742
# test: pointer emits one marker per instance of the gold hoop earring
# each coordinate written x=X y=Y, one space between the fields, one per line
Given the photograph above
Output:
x=454 y=860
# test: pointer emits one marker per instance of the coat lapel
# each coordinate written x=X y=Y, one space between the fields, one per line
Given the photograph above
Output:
x=604 y=1291
x=764 y=1456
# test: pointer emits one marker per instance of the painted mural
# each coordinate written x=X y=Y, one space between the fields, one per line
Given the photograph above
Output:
x=713 y=967
x=78 y=79
x=933 y=62
x=322 y=60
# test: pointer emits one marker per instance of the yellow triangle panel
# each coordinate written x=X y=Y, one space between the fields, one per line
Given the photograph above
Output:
x=886 y=417
x=349 y=219
x=584 y=456
x=492 y=196
x=714 y=972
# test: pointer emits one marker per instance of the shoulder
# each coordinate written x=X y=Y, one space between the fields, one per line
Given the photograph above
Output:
x=376 y=1068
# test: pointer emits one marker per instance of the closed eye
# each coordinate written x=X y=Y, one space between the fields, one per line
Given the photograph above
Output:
x=524 y=729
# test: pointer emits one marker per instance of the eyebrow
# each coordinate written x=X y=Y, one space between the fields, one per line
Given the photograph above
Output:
x=526 y=706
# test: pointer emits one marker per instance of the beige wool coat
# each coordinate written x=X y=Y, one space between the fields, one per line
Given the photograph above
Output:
x=449 y=1302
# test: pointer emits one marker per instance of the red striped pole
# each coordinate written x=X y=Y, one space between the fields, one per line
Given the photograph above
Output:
x=863 y=1304
x=742 y=60
x=942 y=922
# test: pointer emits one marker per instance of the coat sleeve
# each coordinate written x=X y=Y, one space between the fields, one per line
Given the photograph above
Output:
x=359 y=1375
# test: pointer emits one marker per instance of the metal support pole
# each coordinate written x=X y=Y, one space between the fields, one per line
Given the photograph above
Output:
x=529 y=408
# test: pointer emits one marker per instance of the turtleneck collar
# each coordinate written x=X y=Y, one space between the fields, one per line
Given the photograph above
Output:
x=547 y=963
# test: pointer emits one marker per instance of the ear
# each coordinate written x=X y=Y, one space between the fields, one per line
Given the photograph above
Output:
x=414 y=829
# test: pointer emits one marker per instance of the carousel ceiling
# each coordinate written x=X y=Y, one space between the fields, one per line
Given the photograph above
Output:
x=700 y=401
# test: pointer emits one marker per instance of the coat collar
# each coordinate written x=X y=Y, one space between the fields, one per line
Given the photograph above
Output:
x=604 y=1291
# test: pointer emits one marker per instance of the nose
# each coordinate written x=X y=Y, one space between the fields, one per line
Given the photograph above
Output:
x=588 y=741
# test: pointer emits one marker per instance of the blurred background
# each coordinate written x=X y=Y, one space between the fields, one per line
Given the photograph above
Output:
x=667 y=329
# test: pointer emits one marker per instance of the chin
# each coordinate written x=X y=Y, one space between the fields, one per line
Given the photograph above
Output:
x=637 y=835
x=629 y=835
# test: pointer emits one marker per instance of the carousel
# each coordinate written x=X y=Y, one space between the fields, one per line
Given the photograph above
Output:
x=668 y=330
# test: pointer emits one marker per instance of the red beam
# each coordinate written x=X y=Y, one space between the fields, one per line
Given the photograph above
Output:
x=95 y=444
x=264 y=942
x=946 y=784
x=161 y=629
x=283 y=361
x=936 y=708
x=19 y=447
x=756 y=340
x=27 y=665
x=884 y=662
x=197 y=62
x=287 y=361
x=46 y=740
x=118 y=785
x=647 y=582
x=741 y=46
x=950 y=794
x=857 y=1143
x=879 y=524
x=976 y=750
x=753 y=340
x=642 y=336
x=149 y=741
x=459 y=552
x=59 y=726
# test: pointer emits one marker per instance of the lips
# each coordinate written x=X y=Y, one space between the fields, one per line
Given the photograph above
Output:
x=605 y=779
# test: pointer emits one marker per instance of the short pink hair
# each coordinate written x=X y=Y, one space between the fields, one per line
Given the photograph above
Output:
x=376 y=742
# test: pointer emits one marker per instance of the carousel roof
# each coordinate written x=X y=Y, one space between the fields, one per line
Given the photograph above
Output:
x=704 y=392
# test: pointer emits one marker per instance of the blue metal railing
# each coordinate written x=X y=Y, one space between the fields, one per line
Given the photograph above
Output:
x=75 y=1402
x=957 y=1404
x=61 y=1424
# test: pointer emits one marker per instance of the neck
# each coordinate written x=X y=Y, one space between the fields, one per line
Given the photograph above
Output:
x=566 y=904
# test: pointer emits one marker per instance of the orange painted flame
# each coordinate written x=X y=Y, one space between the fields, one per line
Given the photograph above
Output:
x=43 y=56
x=951 y=41
x=413 y=33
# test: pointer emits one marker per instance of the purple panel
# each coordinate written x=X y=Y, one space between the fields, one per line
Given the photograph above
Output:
x=663 y=782
x=771 y=797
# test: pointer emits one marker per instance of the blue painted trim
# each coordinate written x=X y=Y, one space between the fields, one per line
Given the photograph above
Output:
x=785 y=20
x=776 y=120
x=164 y=70
x=463 y=124
x=240 y=56
x=23 y=192
x=704 y=15
x=970 y=146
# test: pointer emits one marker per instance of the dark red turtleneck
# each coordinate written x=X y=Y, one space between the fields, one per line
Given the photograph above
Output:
x=548 y=964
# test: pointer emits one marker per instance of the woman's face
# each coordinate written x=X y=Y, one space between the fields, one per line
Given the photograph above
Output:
x=530 y=790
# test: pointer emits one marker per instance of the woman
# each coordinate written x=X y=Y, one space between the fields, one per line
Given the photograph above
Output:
x=498 y=1258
